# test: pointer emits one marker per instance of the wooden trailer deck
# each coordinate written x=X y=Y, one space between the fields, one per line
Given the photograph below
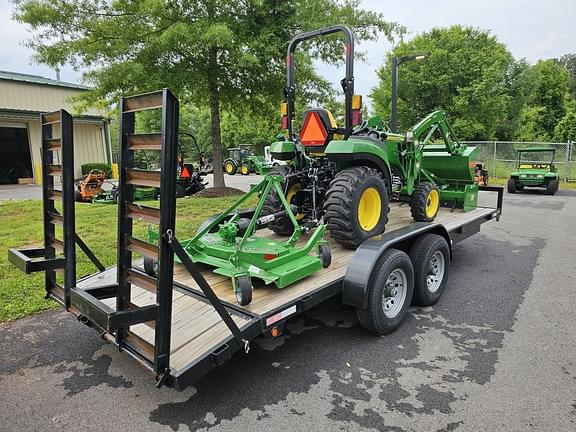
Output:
x=197 y=329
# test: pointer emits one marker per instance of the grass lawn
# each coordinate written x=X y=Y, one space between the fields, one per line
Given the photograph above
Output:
x=21 y=227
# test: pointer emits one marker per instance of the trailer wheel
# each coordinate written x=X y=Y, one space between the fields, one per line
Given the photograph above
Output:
x=244 y=290
x=151 y=267
x=512 y=186
x=430 y=257
x=425 y=202
x=552 y=187
x=389 y=294
x=356 y=206
x=245 y=169
x=325 y=254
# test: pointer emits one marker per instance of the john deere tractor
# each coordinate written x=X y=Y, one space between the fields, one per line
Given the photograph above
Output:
x=243 y=159
x=348 y=174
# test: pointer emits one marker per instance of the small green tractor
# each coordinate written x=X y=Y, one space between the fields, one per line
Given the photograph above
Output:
x=244 y=159
x=535 y=168
x=346 y=176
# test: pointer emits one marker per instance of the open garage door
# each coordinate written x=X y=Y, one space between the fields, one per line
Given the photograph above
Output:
x=15 y=158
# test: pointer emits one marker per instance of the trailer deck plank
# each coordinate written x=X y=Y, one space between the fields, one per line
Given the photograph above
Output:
x=197 y=329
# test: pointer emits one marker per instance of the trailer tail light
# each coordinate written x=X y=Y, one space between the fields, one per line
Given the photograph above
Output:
x=356 y=117
x=284 y=122
x=313 y=132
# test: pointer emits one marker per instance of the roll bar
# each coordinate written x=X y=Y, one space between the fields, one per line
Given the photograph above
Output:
x=347 y=83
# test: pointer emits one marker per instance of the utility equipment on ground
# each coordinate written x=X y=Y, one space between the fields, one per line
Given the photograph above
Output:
x=348 y=175
x=243 y=159
x=481 y=174
x=535 y=168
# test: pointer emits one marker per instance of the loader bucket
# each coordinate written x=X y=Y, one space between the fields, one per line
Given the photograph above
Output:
x=450 y=168
x=454 y=173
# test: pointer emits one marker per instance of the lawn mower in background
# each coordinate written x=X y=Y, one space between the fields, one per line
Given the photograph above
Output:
x=347 y=175
x=481 y=174
x=90 y=187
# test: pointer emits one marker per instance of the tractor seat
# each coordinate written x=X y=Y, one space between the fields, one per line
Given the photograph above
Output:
x=318 y=127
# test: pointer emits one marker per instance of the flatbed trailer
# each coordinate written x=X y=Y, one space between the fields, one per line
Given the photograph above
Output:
x=186 y=322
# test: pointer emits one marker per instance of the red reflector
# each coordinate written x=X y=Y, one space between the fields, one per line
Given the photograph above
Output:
x=313 y=132
x=269 y=257
x=185 y=172
x=284 y=122
x=356 y=117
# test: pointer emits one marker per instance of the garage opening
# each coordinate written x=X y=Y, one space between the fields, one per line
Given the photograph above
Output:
x=15 y=159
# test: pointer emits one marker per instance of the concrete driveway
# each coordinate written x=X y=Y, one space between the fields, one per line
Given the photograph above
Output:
x=497 y=353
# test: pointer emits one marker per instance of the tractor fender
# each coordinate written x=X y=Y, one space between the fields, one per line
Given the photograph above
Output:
x=361 y=151
x=359 y=275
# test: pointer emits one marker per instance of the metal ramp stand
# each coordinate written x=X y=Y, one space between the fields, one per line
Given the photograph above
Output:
x=46 y=259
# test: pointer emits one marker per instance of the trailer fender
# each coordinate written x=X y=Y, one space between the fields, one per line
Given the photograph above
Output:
x=359 y=276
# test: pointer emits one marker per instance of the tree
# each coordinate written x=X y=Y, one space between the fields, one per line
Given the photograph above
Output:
x=569 y=63
x=214 y=53
x=530 y=126
x=549 y=88
x=565 y=129
x=464 y=74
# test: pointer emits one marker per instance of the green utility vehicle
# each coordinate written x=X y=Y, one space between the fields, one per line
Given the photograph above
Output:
x=535 y=168
x=348 y=175
x=244 y=159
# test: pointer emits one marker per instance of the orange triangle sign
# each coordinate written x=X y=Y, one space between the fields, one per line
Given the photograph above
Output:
x=313 y=131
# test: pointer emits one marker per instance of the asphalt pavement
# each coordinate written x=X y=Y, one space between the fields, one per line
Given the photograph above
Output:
x=497 y=353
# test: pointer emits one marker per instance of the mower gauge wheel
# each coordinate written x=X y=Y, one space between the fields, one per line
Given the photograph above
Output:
x=243 y=290
x=325 y=254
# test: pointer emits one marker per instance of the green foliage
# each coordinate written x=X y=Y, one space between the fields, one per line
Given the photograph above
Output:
x=568 y=61
x=464 y=74
x=213 y=53
x=565 y=130
x=530 y=126
x=86 y=168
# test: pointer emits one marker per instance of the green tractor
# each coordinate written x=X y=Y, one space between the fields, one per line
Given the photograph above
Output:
x=244 y=159
x=348 y=175
x=535 y=168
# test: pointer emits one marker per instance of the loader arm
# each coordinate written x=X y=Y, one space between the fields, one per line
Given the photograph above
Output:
x=425 y=130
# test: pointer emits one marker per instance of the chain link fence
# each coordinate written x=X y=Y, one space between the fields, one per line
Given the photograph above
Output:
x=500 y=156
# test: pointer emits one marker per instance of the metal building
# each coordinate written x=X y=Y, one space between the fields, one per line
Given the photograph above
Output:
x=22 y=98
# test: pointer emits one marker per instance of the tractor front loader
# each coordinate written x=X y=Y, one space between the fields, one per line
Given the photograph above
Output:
x=348 y=175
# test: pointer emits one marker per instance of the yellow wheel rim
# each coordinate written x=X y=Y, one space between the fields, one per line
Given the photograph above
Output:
x=229 y=168
x=244 y=169
x=369 y=209
x=290 y=197
x=432 y=203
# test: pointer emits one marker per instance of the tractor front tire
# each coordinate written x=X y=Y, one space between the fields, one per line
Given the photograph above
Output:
x=552 y=187
x=425 y=202
x=230 y=167
x=512 y=186
x=356 y=206
x=245 y=169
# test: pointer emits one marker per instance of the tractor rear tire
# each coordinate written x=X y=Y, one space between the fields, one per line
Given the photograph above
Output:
x=512 y=186
x=552 y=187
x=230 y=167
x=356 y=206
x=389 y=293
x=425 y=202
x=283 y=225
x=245 y=169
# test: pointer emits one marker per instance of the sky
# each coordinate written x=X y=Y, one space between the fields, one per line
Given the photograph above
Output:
x=531 y=29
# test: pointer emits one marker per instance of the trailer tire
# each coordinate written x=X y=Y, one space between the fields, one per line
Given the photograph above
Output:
x=151 y=267
x=349 y=206
x=389 y=293
x=430 y=257
x=325 y=254
x=425 y=202
x=512 y=186
x=244 y=290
